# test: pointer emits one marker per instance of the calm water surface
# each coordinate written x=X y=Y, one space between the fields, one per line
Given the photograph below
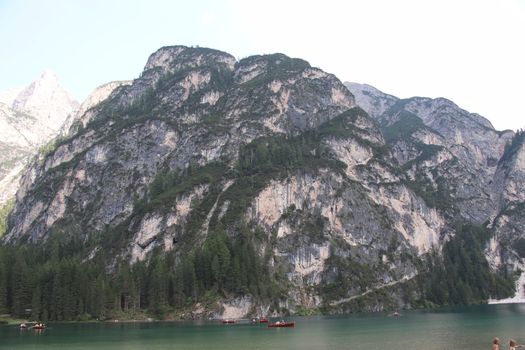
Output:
x=458 y=328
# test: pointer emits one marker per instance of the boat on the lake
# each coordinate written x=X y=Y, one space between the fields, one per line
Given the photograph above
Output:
x=32 y=325
x=263 y=320
x=281 y=324
x=228 y=321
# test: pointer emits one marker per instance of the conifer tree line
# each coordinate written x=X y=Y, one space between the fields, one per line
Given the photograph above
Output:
x=461 y=275
x=52 y=283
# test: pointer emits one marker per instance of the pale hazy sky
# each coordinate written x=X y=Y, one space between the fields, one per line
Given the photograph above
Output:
x=472 y=52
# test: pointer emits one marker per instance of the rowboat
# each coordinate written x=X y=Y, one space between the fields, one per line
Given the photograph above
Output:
x=280 y=324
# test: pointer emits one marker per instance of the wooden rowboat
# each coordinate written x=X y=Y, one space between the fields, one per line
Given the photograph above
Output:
x=279 y=324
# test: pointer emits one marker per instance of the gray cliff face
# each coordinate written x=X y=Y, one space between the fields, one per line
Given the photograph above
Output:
x=29 y=118
x=20 y=138
x=109 y=164
x=458 y=161
x=507 y=246
x=372 y=100
x=442 y=145
x=46 y=100
x=83 y=114
x=510 y=174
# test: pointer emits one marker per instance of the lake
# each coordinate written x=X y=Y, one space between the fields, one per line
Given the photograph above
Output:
x=453 y=328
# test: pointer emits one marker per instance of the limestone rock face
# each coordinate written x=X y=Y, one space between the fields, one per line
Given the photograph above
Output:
x=29 y=118
x=460 y=162
x=83 y=115
x=373 y=101
x=46 y=100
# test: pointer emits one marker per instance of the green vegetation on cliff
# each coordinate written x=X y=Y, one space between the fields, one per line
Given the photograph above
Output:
x=461 y=274
x=5 y=210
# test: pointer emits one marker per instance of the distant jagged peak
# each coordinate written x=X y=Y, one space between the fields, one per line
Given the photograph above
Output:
x=47 y=100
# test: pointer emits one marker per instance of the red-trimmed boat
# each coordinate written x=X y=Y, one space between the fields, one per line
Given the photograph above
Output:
x=282 y=324
x=228 y=321
x=263 y=320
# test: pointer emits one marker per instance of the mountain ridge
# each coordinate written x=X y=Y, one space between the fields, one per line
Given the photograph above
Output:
x=30 y=117
x=263 y=185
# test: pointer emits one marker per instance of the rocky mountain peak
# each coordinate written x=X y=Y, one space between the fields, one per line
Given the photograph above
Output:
x=46 y=100
x=174 y=58
x=372 y=100
x=29 y=118
x=441 y=142
x=433 y=110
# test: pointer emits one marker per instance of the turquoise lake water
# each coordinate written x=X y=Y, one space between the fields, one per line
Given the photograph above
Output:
x=454 y=328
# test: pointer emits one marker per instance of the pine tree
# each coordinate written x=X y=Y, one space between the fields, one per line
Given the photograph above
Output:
x=36 y=304
x=3 y=282
x=21 y=286
x=189 y=278
x=178 y=286
x=158 y=291
x=98 y=300
x=56 y=312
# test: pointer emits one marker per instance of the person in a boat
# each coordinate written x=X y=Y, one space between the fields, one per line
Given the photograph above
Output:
x=513 y=345
x=495 y=344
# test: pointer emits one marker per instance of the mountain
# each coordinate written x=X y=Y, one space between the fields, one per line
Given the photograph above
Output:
x=46 y=100
x=210 y=187
x=21 y=135
x=507 y=247
x=438 y=143
x=459 y=162
x=29 y=118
